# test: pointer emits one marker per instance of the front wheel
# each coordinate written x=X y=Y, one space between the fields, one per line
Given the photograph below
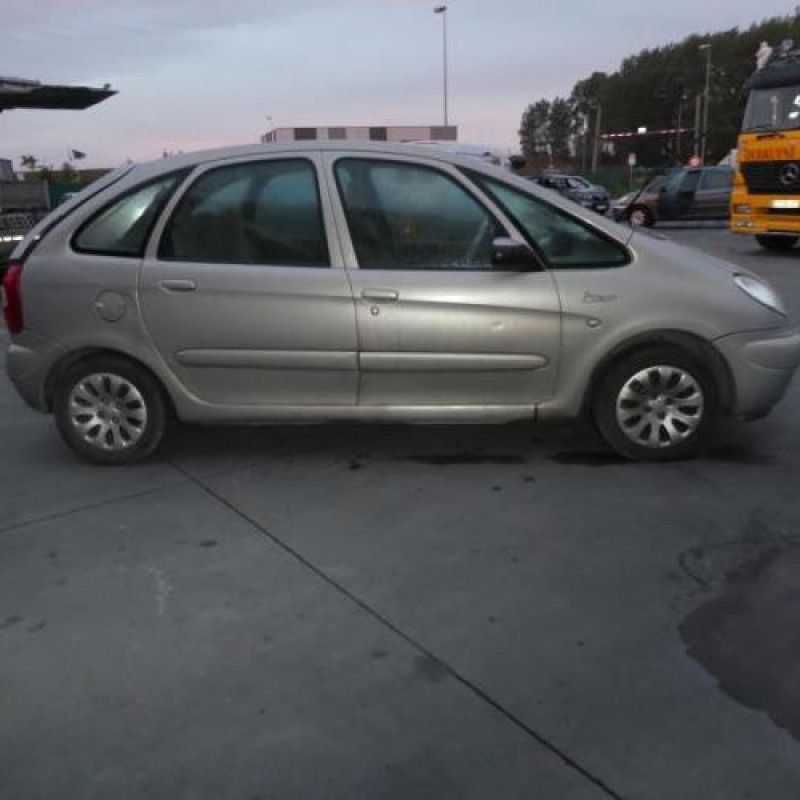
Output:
x=641 y=217
x=777 y=243
x=656 y=405
x=109 y=410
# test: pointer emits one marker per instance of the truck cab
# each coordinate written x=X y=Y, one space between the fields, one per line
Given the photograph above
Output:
x=766 y=195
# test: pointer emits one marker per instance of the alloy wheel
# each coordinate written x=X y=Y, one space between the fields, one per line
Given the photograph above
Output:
x=107 y=411
x=660 y=407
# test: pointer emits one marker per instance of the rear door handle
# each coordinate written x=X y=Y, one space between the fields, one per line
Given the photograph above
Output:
x=178 y=285
x=380 y=295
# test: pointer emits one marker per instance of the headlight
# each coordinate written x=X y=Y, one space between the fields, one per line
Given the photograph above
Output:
x=760 y=292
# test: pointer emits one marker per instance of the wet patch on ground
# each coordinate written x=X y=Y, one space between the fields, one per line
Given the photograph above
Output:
x=590 y=458
x=738 y=454
x=747 y=637
x=452 y=459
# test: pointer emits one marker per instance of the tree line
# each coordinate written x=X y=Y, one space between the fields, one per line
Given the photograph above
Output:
x=655 y=88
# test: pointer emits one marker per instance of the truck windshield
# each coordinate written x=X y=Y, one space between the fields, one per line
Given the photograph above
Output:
x=773 y=109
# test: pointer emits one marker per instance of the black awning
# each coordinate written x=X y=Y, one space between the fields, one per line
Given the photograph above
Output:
x=53 y=97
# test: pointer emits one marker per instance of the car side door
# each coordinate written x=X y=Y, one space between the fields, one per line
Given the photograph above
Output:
x=713 y=197
x=243 y=292
x=438 y=325
x=676 y=195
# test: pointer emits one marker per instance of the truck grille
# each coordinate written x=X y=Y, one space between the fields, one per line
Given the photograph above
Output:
x=770 y=177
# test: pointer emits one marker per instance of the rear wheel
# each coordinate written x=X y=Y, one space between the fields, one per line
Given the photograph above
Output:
x=109 y=410
x=641 y=217
x=777 y=242
x=656 y=405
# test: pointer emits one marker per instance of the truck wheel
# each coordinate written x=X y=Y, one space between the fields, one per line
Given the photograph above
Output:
x=777 y=243
x=641 y=217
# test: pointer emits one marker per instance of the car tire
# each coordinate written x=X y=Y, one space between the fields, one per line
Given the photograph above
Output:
x=641 y=217
x=777 y=243
x=657 y=404
x=109 y=410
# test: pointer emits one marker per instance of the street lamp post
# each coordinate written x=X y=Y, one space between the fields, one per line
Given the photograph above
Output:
x=678 y=132
x=598 y=126
x=443 y=11
x=707 y=96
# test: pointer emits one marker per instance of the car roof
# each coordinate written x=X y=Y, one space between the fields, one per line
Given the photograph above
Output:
x=421 y=150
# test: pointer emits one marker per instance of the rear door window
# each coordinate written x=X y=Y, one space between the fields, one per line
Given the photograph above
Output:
x=716 y=179
x=264 y=212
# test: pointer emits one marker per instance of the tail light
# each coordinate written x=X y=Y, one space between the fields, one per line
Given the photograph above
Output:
x=12 y=297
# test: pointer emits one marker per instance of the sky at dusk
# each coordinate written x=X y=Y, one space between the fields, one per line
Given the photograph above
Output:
x=202 y=73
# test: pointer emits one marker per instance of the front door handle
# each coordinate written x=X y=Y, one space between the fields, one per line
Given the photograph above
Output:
x=178 y=285
x=380 y=295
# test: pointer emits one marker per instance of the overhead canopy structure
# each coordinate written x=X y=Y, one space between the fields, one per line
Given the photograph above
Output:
x=19 y=93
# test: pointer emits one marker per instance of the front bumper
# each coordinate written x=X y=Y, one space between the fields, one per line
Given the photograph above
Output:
x=763 y=219
x=762 y=364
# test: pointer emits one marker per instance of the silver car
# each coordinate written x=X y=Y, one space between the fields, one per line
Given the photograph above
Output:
x=277 y=284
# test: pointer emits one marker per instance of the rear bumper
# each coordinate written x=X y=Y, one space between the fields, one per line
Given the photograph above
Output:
x=762 y=364
x=29 y=360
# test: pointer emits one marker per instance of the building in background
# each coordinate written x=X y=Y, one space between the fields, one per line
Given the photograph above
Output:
x=364 y=133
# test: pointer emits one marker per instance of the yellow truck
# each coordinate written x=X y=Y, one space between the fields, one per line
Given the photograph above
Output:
x=765 y=201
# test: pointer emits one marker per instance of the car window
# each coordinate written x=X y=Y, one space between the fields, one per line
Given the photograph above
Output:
x=123 y=227
x=565 y=242
x=407 y=216
x=673 y=182
x=265 y=213
x=719 y=179
x=690 y=181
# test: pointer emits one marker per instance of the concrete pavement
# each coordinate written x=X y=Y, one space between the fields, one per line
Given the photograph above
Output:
x=393 y=612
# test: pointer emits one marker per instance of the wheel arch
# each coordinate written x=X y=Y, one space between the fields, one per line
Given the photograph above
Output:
x=691 y=344
x=87 y=353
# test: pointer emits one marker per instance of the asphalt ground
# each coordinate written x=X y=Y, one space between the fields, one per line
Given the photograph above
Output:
x=404 y=612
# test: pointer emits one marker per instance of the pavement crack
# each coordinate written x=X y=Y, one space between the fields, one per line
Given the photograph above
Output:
x=415 y=644
x=15 y=526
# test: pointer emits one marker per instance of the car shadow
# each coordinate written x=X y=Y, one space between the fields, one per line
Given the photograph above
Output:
x=204 y=449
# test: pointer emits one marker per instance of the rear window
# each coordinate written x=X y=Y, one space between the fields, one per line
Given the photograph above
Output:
x=123 y=227
x=716 y=179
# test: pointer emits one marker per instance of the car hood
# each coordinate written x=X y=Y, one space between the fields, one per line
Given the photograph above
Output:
x=653 y=244
x=702 y=285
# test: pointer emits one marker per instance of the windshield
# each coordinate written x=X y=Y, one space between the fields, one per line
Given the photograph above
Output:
x=773 y=109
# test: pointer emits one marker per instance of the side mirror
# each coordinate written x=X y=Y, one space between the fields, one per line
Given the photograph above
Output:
x=511 y=254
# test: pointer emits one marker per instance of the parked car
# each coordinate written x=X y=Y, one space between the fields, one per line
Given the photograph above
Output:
x=282 y=283
x=579 y=190
x=703 y=193
x=13 y=228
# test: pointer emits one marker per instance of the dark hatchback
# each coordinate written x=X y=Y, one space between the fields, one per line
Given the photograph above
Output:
x=579 y=190
x=702 y=193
